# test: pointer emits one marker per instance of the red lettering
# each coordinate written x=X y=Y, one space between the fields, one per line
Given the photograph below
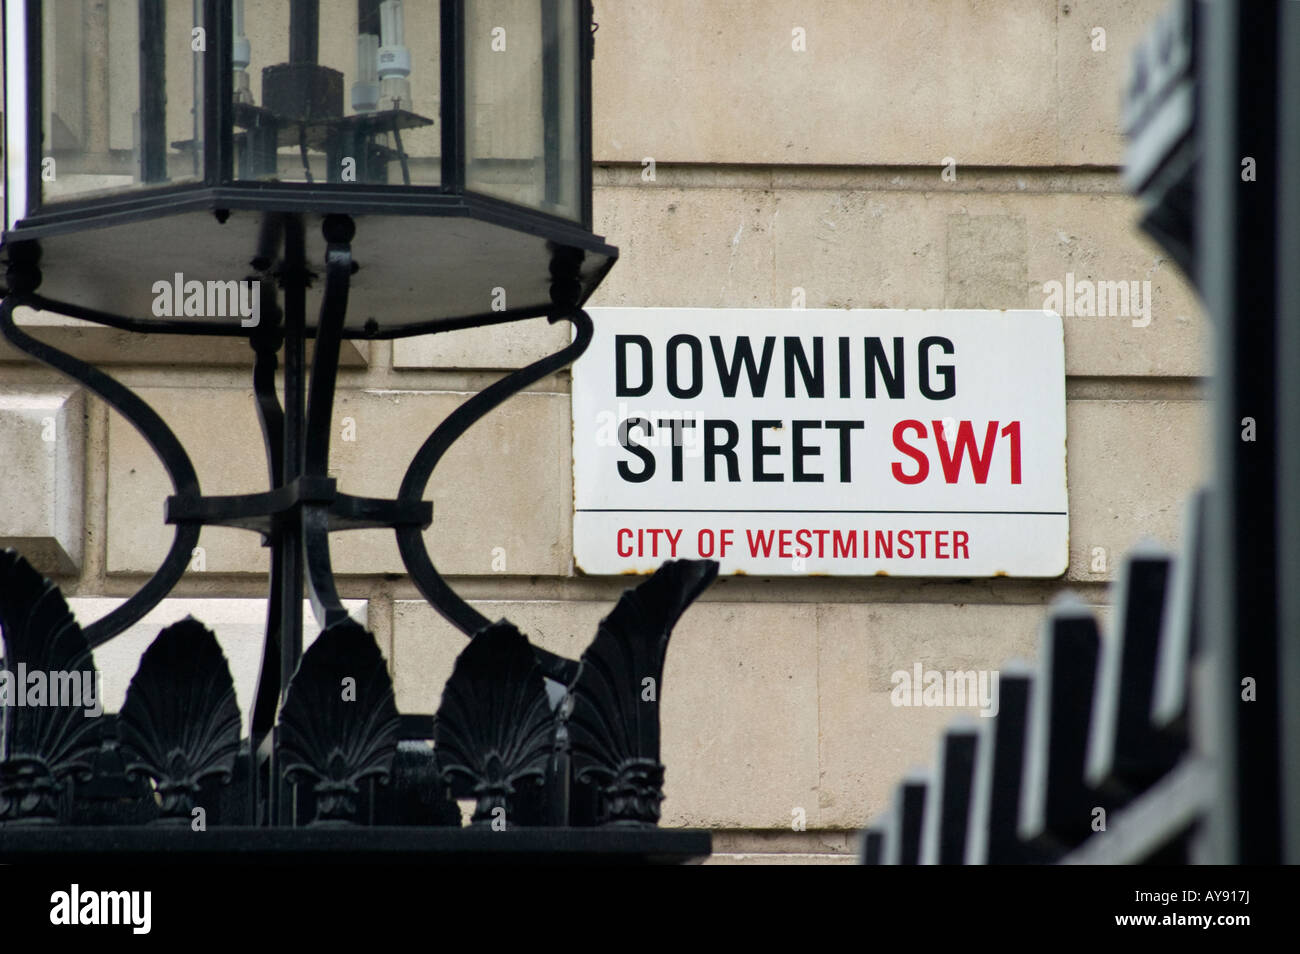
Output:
x=785 y=553
x=904 y=540
x=959 y=538
x=922 y=462
x=703 y=548
x=620 y=543
x=885 y=543
x=803 y=539
x=965 y=443
x=844 y=545
x=940 y=541
x=1012 y=431
x=672 y=540
x=763 y=541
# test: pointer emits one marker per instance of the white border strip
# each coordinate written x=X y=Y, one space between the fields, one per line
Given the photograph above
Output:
x=15 y=112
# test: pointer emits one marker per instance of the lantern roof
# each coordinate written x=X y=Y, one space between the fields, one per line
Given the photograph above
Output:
x=156 y=145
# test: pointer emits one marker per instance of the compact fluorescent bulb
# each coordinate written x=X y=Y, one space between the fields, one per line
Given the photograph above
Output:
x=241 y=56
x=365 y=91
x=394 y=57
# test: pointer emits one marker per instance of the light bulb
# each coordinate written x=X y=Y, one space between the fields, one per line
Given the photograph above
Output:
x=394 y=57
x=365 y=91
x=241 y=56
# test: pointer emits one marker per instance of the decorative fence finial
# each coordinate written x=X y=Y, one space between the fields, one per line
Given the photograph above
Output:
x=614 y=725
x=180 y=724
x=495 y=728
x=339 y=724
x=45 y=734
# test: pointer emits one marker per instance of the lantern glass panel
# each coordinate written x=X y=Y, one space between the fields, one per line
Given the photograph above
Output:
x=521 y=102
x=122 y=104
x=337 y=92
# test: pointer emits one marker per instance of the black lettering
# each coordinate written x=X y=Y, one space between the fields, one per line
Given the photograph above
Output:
x=893 y=376
x=621 y=387
x=761 y=450
x=814 y=379
x=846 y=429
x=676 y=426
x=727 y=450
x=647 y=457
x=697 y=367
x=945 y=370
x=799 y=450
x=845 y=384
x=729 y=377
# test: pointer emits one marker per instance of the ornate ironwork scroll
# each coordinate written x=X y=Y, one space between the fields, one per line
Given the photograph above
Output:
x=143 y=418
x=410 y=540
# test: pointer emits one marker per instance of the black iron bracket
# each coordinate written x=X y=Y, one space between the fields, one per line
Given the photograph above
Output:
x=304 y=506
x=258 y=512
x=410 y=542
x=23 y=277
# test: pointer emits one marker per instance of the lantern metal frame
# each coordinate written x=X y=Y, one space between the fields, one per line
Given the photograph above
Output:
x=107 y=228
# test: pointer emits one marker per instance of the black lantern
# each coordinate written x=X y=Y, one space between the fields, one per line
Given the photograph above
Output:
x=233 y=168
x=170 y=137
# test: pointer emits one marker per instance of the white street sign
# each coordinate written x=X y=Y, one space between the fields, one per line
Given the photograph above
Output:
x=799 y=442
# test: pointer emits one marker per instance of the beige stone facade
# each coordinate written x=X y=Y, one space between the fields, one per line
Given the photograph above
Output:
x=774 y=168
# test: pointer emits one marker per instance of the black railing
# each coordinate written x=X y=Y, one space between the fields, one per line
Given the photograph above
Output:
x=1088 y=757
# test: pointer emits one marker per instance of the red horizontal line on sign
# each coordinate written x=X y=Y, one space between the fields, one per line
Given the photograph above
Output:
x=1017 y=513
